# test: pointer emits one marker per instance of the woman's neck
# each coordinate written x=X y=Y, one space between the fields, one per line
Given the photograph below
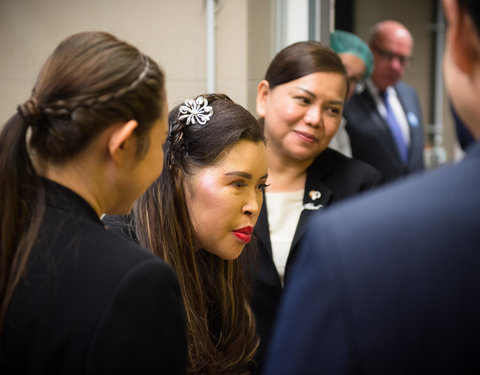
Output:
x=76 y=176
x=285 y=174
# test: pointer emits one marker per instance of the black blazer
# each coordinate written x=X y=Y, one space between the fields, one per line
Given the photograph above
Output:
x=336 y=177
x=372 y=140
x=91 y=302
x=388 y=283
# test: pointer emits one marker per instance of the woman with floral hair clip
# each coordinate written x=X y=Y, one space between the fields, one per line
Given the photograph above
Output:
x=199 y=217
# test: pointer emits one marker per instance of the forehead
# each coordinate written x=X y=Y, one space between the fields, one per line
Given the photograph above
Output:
x=321 y=84
x=244 y=156
x=353 y=63
x=395 y=38
x=242 y=153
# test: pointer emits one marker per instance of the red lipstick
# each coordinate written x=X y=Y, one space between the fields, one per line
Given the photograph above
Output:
x=244 y=234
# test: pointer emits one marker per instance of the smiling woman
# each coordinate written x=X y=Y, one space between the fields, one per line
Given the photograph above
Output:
x=199 y=217
x=300 y=103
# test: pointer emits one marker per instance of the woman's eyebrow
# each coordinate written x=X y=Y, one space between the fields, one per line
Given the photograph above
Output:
x=306 y=91
x=240 y=174
x=338 y=102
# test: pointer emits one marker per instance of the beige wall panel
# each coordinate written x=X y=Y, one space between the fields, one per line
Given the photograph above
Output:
x=261 y=40
x=232 y=50
x=170 y=31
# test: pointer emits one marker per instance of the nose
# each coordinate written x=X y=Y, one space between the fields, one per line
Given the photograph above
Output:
x=253 y=204
x=313 y=117
x=396 y=63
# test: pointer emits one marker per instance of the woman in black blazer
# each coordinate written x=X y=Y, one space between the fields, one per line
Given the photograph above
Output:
x=75 y=298
x=300 y=104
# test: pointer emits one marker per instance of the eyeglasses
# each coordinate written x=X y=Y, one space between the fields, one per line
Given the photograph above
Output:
x=357 y=82
x=388 y=55
x=353 y=80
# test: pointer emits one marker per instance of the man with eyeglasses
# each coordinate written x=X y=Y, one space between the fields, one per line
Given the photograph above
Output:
x=384 y=121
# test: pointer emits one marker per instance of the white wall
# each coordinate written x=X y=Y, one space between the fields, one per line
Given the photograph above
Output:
x=296 y=21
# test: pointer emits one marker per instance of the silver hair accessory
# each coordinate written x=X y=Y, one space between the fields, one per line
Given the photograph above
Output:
x=142 y=75
x=196 y=111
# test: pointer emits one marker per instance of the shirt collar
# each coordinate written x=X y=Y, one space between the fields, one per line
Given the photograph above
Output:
x=375 y=92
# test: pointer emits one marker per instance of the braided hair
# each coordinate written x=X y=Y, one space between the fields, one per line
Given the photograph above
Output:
x=90 y=82
x=221 y=327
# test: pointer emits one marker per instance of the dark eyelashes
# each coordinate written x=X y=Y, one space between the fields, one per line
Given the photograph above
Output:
x=239 y=184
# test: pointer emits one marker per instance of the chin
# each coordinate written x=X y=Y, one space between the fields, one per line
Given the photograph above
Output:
x=123 y=210
x=233 y=254
x=311 y=157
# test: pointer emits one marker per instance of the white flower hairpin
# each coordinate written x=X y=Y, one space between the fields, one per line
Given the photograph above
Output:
x=196 y=111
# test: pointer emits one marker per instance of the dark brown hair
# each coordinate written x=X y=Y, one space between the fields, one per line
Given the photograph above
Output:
x=300 y=59
x=221 y=327
x=91 y=81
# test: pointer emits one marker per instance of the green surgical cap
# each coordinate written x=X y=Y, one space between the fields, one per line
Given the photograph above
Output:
x=345 y=42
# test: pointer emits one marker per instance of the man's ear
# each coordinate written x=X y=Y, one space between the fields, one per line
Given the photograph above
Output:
x=463 y=36
x=122 y=143
x=263 y=90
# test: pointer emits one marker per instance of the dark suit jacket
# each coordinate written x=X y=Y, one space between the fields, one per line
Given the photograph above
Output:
x=388 y=283
x=91 y=302
x=372 y=140
x=336 y=177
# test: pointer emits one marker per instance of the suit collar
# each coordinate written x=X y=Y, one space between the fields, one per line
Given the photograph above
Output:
x=316 y=196
x=372 y=97
x=393 y=90
x=369 y=97
x=316 y=193
x=262 y=229
x=374 y=94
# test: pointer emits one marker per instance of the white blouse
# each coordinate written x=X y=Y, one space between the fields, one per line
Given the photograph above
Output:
x=284 y=211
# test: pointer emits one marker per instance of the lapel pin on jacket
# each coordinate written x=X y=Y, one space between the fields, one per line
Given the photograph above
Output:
x=314 y=194
x=412 y=119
